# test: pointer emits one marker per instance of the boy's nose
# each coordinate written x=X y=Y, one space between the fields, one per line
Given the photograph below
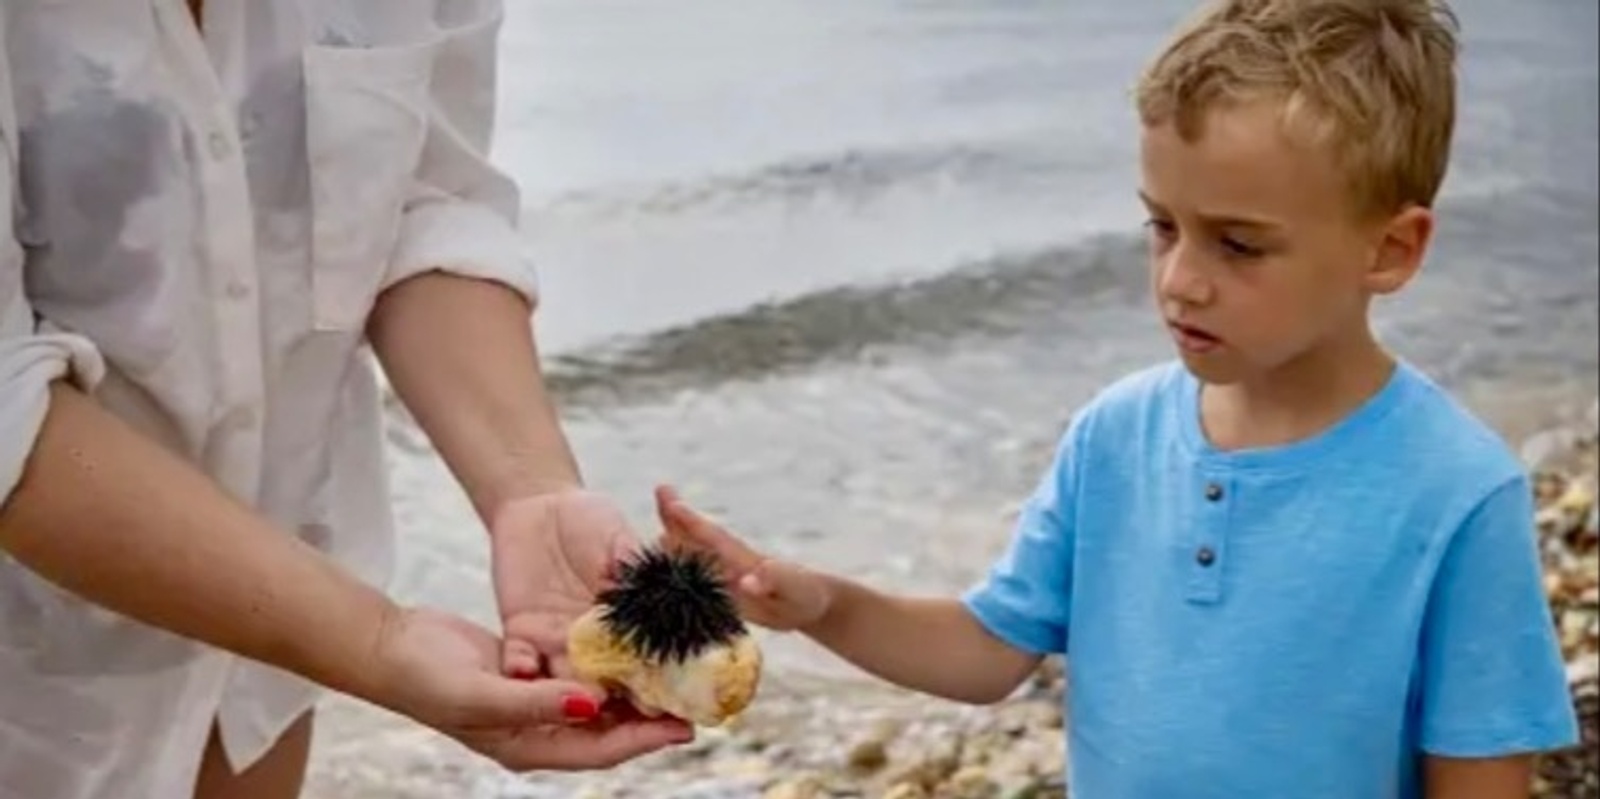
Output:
x=1180 y=281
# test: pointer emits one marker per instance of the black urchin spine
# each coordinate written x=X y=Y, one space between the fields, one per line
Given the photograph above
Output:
x=670 y=606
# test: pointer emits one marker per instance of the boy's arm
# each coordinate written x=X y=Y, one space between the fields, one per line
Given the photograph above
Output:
x=931 y=645
x=1486 y=778
x=1493 y=686
x=977 y=648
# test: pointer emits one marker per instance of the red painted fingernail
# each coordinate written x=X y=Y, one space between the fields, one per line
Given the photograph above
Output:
x=579 y=707
x=522 y=672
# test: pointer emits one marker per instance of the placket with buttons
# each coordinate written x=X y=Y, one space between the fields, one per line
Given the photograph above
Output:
x=230 y=252
x=1209 y=542
x=229 y=264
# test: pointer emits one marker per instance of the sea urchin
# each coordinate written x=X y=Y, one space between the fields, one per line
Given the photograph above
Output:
x=667 y=631
x=670 y=606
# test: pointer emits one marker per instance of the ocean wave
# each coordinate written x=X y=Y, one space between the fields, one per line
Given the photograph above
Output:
x=1529 y=253
x=851 y=175
x=1004 y=295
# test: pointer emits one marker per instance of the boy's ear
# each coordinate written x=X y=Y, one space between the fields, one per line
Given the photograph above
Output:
x=1402 y=242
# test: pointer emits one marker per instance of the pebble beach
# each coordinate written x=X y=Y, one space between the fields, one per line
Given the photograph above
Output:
x=814 y=738
x=841 y=270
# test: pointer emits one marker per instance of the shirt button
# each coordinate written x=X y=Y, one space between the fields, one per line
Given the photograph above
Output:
x=1213 y=492
x=249 y=124
x=237 y=290
x=242 y=418
x=1204 y=556
x=219 y=145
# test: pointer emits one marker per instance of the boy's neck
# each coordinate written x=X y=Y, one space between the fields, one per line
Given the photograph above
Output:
x=1299 y=399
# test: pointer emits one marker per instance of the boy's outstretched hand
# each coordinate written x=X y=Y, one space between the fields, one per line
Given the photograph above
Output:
x=771 y=593
x=929 y=644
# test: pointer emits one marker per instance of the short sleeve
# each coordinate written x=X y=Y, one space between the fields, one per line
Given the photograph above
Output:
x=1025 y=598
x=29 y=360
x=1492 y=678
x=463 y=213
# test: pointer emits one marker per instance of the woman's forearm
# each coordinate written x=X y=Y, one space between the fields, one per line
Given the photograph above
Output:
x=460 y=354
x=107 y=514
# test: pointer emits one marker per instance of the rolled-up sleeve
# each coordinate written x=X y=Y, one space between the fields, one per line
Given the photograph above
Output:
x=29 y=360
x=463 y=215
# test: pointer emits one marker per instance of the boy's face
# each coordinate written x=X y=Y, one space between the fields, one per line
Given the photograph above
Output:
x=1258 y=259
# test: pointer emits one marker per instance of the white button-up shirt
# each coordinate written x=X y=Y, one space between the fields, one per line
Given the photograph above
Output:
x=196 y=227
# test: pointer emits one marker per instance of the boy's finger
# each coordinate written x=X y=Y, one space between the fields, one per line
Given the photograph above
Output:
x=682 y=526
x=666 y=497
x=773 y=579
x=753 y=585
x=692 y=527
x=783 y=576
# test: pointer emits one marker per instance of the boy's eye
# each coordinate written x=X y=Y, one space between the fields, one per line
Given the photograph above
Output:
x=1160 y=227
x=1238 y=248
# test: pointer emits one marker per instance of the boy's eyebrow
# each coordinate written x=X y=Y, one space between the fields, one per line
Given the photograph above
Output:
x=1218 y=220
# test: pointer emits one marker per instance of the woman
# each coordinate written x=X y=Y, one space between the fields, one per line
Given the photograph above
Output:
x=214 y=218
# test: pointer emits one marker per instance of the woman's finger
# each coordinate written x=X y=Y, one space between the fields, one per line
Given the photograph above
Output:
x=520 y=660
x=569 y=748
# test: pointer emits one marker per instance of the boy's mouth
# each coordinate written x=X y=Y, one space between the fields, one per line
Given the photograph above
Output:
x=1193 y=339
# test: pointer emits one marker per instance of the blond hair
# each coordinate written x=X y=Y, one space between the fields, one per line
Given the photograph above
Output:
x=1372 y=79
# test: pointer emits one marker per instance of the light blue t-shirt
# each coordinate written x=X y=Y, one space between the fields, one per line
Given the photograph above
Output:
x=1297 y=621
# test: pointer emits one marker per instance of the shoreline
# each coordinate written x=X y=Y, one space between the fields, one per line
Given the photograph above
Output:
x=897 y=745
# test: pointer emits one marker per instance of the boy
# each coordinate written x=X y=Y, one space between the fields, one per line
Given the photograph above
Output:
x=1285 y=565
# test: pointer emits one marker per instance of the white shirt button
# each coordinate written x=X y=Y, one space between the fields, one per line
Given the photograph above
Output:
x=248 y=125
x=238 y=290
x=218 y=142
x=242 y=418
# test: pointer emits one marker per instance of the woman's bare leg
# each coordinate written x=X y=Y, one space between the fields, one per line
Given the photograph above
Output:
x=279 y=774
